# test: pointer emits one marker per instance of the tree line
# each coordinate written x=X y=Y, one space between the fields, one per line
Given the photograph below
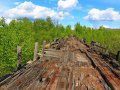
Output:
x=25 y=32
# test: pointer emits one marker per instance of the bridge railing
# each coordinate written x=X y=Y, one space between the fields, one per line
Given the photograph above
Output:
x=95 y=46
x=102 y=49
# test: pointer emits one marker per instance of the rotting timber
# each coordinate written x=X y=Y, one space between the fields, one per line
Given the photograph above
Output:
x=73 y=67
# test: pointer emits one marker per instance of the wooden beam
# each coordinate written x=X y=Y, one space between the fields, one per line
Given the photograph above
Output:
x=19 y=57
x=35 y=51
x=112 y=55
x=100 y=46
x=51 y=56
x=53 y=50
x=118 y=55
x=43 y=48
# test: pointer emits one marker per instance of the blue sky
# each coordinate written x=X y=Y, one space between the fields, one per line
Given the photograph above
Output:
x=93 y=13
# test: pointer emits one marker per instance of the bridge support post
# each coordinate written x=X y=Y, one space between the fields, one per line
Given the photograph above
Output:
x=118 y=55
x=19 y=57
x=43 y=49
x=35 y=51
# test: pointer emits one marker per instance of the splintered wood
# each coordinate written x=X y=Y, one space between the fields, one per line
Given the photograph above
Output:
x=72 y=67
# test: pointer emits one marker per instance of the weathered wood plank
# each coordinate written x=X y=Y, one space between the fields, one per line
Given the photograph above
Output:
x=35 y=51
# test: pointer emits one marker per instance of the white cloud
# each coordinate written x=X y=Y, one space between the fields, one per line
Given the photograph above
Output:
x=106 y=26
x=66 y=4
x=17 y=3
x=103 y=15
x=8 y=20
x=30 y=10
x=62 y=14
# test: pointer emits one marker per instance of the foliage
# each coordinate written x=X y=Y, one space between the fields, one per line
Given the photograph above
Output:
x=25 y=33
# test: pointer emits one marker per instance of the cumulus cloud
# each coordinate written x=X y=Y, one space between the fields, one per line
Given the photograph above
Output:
x=62 y=14
x=66 y=4
x=17 y=3
x=30 y=10
x=103 y=15
x=106 y=26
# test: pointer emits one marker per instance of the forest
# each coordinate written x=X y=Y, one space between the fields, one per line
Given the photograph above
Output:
x=25 y=33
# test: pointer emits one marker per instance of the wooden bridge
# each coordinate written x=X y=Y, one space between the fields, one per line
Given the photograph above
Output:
x=71 y=66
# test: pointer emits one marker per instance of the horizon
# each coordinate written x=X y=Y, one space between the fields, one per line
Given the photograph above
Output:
x=68 y=12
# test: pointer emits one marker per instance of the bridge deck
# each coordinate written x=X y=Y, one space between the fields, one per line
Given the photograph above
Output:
x=71 y=68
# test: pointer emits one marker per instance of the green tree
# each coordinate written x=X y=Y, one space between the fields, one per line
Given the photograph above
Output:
x=2 y=22
x=68 y=28
x=77 y=27
x=102 y=28
x=49 y=23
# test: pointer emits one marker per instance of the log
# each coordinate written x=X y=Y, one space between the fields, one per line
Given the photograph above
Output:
x=43 y=49
x=35 y=51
